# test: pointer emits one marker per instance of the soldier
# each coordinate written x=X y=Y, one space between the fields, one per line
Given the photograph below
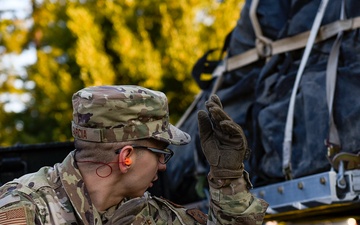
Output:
x=121 y=136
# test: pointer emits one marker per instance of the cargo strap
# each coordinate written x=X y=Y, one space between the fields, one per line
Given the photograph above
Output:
x=270 y=48
x=287 y=144
x=296 y=42
x=263 y=45
x=333 y=141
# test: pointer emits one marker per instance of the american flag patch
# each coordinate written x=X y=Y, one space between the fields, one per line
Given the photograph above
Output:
x=13 y=216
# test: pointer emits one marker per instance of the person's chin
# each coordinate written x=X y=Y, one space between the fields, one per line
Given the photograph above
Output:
x=138 y=195
x=151 y=184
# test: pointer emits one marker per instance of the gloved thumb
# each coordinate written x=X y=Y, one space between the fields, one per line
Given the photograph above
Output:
x=205 y=126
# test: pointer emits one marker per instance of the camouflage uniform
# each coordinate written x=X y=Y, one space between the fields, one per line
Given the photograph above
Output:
x=57 y=195
x=123 y=113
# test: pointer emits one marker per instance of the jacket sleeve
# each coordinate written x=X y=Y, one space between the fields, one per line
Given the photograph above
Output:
x=232 y=203
x=16 y=208
x=163 y=211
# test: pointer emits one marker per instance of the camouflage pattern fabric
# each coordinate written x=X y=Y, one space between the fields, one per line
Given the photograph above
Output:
x=57 y=196
x=123 y=113
x=233 y=203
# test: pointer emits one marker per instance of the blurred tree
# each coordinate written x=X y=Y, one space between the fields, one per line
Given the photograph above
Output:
x=13 y=40
x=80 y=43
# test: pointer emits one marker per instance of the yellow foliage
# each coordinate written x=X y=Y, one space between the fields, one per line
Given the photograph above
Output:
x=90 y=56
x=153 y=43
x=13 y=35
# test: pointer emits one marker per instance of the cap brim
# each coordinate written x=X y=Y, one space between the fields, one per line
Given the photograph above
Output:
x=174 y=136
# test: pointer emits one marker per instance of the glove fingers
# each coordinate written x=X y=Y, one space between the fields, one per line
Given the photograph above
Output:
x=213 y=101
x=214 y=98
x=231 y=128
x=218 y=115
x=235 y=133
x=205 y=126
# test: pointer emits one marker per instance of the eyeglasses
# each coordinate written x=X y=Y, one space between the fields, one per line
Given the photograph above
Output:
x=167 y=153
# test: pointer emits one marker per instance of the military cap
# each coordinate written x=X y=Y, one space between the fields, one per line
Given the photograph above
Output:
x=122 y=113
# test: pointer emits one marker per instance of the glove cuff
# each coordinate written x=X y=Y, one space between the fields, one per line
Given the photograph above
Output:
x=217 y=183
x=223 y=173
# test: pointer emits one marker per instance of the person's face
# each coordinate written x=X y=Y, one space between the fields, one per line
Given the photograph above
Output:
x=144 y=170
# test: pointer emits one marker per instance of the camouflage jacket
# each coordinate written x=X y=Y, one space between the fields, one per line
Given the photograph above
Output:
x=57 y=196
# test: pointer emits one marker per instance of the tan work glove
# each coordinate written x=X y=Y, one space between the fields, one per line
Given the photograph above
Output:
x=127 y=212
x=222 y=140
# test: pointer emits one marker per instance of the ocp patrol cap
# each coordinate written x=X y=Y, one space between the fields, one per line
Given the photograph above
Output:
x=122 y=113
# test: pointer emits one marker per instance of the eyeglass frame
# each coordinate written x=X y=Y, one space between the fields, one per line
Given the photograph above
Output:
x=168 y=153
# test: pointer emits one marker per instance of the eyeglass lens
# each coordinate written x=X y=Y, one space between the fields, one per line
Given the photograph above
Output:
x=165 y=154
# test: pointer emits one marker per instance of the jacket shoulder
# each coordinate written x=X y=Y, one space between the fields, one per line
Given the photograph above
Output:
x=184 y=215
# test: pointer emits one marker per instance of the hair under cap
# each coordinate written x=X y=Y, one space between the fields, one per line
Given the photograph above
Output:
x=123 y=113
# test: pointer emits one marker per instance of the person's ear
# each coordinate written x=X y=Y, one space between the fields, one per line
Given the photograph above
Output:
x=127 y=161
x=124 y=158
